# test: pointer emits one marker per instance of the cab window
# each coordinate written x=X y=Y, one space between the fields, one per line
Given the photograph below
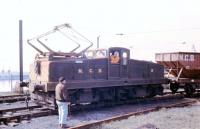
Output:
x=124 y=56
x=114 y=57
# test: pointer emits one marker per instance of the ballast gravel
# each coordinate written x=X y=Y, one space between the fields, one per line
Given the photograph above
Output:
x=176 y=118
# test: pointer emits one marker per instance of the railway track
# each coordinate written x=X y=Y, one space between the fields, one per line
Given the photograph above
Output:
x=167 y=96
x=11 y=113
x=22 y=112
x=7 y=97
x=125 y=116
x=17 y=107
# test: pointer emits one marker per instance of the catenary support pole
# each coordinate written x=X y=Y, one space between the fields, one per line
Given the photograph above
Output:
x=21 y=50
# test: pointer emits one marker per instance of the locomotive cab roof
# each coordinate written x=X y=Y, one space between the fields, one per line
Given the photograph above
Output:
x=102 y=53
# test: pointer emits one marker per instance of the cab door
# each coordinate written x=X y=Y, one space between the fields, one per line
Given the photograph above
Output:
x=118 y=62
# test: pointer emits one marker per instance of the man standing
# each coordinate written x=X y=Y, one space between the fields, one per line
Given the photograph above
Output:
x=62 y=102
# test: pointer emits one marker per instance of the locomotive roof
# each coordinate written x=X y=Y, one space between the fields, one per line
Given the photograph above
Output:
x=118 y=48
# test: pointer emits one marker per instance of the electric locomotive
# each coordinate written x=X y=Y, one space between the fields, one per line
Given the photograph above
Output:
x=93 y=75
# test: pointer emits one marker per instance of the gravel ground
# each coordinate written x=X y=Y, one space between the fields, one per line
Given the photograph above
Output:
x=51 y=122
x=176 y=118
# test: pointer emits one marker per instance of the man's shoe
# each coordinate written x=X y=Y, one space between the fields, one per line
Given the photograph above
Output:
x=64 y=126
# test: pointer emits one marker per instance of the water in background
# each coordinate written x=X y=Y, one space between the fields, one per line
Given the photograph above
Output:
x=8 y=83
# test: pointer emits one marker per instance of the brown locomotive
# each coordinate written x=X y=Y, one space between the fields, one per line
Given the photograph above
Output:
x=92 y=75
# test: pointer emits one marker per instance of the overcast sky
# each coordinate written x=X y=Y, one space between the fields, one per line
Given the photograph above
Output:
x=149 y=26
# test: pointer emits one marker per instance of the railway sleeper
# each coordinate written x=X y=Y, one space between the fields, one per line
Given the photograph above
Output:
x=3 y=111
x=11 y=100
x=25 y=116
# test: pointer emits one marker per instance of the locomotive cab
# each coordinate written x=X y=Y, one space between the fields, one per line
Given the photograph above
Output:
x=118 y=62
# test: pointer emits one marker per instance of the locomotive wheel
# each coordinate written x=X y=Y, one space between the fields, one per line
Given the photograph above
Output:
x=174 y=86
x=189 y=89
x=152 y=92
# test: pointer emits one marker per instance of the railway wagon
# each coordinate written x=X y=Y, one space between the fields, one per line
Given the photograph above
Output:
x=93 y=75
x=183 y=69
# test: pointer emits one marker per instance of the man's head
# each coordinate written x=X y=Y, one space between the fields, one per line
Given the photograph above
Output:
x=62 y=80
